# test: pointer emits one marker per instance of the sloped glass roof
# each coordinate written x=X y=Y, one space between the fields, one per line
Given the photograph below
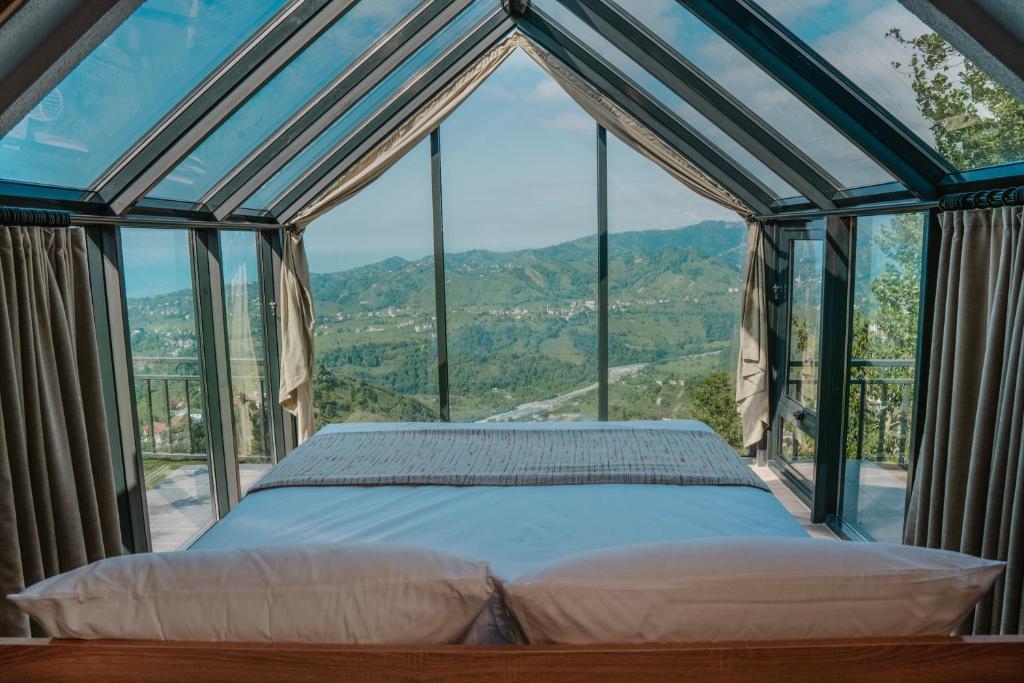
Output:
x=327 y=140
x=893 y=56
x=289 y=90
x=758 y=90
x=158 y=60
x=127 y=84
x=653 y=86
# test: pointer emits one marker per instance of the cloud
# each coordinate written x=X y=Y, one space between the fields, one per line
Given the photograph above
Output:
x=547 y=90
x=572 y=122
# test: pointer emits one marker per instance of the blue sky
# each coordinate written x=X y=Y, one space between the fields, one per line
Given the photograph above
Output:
x=519 y=170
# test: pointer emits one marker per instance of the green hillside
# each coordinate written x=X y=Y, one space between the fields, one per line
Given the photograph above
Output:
x=522 y=327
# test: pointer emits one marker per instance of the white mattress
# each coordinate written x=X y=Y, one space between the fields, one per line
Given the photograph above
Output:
x=514 y=528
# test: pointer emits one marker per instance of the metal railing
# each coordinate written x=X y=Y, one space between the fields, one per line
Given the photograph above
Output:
x=171 y=414
x=880 y=417
x=884 y=403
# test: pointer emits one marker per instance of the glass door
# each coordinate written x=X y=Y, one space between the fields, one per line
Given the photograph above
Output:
x=797 y=298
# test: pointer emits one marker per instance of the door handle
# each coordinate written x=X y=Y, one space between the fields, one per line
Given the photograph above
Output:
x=798 y=415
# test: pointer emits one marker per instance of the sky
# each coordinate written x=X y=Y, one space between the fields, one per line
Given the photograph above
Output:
x=518 y=165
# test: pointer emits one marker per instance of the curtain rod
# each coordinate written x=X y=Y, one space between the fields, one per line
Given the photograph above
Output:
x=48 y=218
x=981 y=199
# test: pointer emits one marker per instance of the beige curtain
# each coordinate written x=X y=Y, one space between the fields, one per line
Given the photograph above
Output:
x=968 y=492
x=410 y=133
x=752 y=366
x=297 y=338
x=616 y=121
x=295 y=304
x=58 y=509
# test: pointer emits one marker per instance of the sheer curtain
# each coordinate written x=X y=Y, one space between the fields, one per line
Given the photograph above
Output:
x=968 y=492
x=57 y=504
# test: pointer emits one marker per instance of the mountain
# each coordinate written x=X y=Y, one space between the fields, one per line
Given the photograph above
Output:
x=522 y=325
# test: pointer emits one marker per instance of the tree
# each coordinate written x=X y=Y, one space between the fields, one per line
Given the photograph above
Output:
x=714 y=403
x=976 y=122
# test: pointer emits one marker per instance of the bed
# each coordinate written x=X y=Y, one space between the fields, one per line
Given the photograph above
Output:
x=516 y=528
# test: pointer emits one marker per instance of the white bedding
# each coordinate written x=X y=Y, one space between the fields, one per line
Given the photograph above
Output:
x=514 y=528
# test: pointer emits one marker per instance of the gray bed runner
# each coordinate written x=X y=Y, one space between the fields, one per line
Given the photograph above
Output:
x=512 y=457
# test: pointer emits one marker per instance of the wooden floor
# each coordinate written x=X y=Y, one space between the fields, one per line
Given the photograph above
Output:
x=793 y=505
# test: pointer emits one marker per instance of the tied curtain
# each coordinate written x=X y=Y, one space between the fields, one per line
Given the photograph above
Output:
x=968 y=490
x=58 y=508
x=296 y=300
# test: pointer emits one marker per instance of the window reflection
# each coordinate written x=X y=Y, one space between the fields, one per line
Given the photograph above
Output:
x=243 y=306
x=807 y=270
x=172 y=425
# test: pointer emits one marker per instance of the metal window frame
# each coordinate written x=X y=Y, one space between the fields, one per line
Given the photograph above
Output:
x=269 y=268
x=646 y=109
x=837 y=312
x=211 y=333
x=602 y=273
x=216 y=97
x=799 y=69
x=358 y=79
x=391 y=115
x=106 y=266
x=440 y=301
x=705 y=95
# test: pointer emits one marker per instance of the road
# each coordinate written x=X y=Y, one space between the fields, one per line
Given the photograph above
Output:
x=614 y=375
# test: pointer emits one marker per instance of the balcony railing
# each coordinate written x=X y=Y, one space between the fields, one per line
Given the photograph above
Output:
x=171 y=414
x=883 y=406
x=880 y=408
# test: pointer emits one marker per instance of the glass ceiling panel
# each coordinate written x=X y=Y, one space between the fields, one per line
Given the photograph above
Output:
x=915 y=74
x=661 y=92
x=320 y=147
x=750 y=84
x=131 y=80
x=309 y=73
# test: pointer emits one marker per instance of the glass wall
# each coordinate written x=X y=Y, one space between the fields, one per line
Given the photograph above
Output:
x=243 y=307
x=881 y=372
x=372 y=274
x=520 y=233
x=674 y=275
x=172 y=425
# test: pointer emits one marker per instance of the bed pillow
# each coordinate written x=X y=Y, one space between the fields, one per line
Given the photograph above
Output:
x=359 y=593
x=728 y=589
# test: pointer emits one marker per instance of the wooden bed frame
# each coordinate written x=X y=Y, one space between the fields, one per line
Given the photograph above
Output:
x=979 y=658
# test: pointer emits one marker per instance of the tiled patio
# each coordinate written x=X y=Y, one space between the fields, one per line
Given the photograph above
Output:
x=793 y=505
x=180 y=506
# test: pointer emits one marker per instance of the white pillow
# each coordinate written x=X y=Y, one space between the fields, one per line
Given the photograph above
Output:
x=360 y=593
x=749 y=589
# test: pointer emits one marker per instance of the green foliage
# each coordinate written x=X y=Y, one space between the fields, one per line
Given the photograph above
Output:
x=885 y=327
x=343 y=399
x=976 y=122
x=714 y=403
